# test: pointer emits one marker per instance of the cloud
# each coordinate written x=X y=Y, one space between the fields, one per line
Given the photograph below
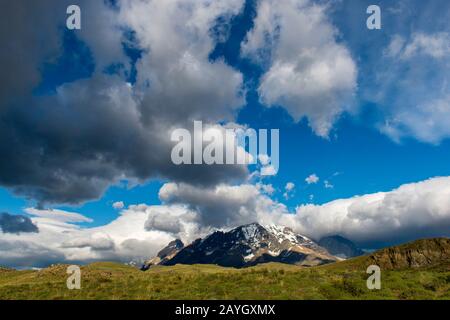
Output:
x=18 y=253
x=67 y=155
x=60 y=241
x=289 y=188
x=415 y=101
x=118 y=205
x=328 y=185
x=412 y=211
x=218 y=207
x=16 y=224
x=97 y=242
x=407 y=213
x=266 y=188
x=58 y=215
x=308 y=72
x=312 y=179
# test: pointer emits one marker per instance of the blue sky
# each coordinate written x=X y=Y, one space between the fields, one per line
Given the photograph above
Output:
x=84 y=112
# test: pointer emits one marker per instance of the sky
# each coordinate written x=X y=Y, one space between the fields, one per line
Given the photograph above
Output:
x=86 y=117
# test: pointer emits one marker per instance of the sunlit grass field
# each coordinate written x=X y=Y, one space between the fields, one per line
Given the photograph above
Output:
x=344 y=280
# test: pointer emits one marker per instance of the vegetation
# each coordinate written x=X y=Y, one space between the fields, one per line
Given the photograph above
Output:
x=343 y=280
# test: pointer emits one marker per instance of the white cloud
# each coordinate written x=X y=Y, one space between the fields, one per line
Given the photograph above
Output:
x=58 y=215
x=327 y=184
x=409 y=212
x=266 y=188
x=289 y=188
x=416 y=102
x=312 y=179
x=118 y=205
x=309 y=72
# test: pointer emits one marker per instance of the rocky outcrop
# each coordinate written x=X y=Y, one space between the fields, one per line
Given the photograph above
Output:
x=421 y=253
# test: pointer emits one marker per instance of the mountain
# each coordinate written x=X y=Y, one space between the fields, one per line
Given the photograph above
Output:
x=249 y=245
x=340 y=247
x=165 y=254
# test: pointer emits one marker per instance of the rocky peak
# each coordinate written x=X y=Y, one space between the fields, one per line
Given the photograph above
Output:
x=165 y=254
x=171 y=248
x=249 y=245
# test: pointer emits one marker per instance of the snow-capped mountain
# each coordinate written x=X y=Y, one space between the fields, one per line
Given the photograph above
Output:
x=247 y=246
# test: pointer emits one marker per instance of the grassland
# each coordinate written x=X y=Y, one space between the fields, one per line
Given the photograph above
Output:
x=344 y=280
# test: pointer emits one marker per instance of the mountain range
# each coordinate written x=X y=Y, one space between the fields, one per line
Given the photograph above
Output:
x=254 y=244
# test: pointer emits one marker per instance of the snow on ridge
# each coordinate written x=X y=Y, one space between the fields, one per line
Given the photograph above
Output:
x=284 y=233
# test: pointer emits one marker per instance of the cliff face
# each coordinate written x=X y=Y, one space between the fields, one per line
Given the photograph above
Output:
x=421 y=253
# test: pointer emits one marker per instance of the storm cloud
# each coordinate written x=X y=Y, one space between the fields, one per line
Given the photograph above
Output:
x=71 y=144
x=16 y=223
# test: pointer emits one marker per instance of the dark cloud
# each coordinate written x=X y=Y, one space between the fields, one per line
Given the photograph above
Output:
x=69 y=146
x=16 y=224
x=18 y=254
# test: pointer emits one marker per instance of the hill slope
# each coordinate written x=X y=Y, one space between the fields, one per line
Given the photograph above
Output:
x=342 y=280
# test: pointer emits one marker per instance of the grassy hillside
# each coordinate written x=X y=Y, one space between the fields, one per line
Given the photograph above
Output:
x=343 y=280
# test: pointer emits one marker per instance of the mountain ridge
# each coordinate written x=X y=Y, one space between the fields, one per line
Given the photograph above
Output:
x=249 y=245
x=340 y=247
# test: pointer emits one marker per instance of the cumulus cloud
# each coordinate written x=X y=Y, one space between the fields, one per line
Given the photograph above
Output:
x=312 y=179
x=407 y=213
x=118 y=205
x=218 y=207
x=75 y=155
x=16 y=223
x=289 y=188
x=61 y=239
x=266 y=188
x=308 y=72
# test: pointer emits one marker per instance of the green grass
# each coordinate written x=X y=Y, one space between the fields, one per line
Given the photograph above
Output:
x=344 y=280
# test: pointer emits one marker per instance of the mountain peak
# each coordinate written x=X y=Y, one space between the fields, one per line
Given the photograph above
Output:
x=165 y=254
x=249 y=245
x=340 y=246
